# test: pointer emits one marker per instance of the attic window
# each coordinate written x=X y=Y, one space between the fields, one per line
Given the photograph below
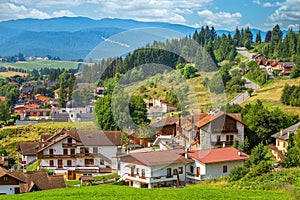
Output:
x=5 y=178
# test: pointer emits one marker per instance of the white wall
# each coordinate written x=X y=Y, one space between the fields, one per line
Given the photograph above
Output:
x=215 y=170
x=8 y=189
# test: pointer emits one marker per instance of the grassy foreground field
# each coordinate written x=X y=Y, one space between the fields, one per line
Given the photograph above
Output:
x=38 y=64
x=271 y=94
x=125 y=192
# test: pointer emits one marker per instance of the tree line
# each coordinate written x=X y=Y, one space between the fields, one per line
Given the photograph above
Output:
x=291 y=95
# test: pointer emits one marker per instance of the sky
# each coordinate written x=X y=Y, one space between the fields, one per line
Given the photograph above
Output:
x=222 y=14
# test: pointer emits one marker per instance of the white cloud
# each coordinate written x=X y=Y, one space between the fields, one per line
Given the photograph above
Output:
x=62 y=13
x=12 y=11
x=287 y=13
x=220 y=19
x=267 y=5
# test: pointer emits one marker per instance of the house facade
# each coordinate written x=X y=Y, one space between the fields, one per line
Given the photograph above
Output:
x=74 y=153
x=281 y=141
x=212 y=130
x=9 y=184
x=153 y=169
x=177 y=167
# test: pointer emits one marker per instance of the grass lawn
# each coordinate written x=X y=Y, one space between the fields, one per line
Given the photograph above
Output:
x=271 y=94
x=38 y=64
x=108 y=191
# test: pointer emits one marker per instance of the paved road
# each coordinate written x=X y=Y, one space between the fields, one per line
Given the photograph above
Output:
x=244 y=96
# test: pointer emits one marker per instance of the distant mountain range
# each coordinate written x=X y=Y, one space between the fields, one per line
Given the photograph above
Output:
x=72 y=38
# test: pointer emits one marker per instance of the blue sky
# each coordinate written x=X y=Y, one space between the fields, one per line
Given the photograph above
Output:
x=222 y=14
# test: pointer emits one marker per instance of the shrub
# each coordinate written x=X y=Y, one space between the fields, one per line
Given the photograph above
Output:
x=261 y=168
x=237 y=173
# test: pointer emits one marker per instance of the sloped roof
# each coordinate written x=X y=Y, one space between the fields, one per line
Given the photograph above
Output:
x=211 y=117
x=165 y=122
x=28 y=148
x=283 y=134
x=41 y=180
x=100 y=138
x=4 y=172
x=156 y=157
x=218 y=155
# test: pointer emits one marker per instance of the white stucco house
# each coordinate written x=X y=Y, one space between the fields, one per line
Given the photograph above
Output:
x=73 y=153
x=176 y=167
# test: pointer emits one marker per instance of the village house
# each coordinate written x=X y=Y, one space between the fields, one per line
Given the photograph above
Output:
x=19 y=182
x=73 y=153
x=157 y=108
x=177 y=167
x=214 y=163
x=282 y=139
x=271 y=65
x=153 y=169
x=213 y=130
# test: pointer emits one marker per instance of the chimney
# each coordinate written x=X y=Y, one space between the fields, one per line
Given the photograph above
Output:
x=281 y=132
x=185 y=153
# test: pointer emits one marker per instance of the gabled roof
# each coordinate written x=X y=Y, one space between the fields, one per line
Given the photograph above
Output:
x=165 y=122
x=5 y=172
x=213 y=116
x=40 y=180
x=218 y=155
x=28 y=148
x=100 y=138
x=156 y=158
x=283 y=134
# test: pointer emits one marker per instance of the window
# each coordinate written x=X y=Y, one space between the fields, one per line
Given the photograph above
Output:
x=95 y=150
x=283 y=144
x=169 y=172
x=65 y=151
x=180 y=170
x=143 y=173
x=137 y=171
x=192 y=169
x=101 y=162
x=225 y=169
x=69 y=140
x=277 y=143
x=218 y=138
x=89 y=161
x=51 y=163
x=229 y=137
x=69 y=163
x=132 y=171
x=72 y=151
x=5 y=178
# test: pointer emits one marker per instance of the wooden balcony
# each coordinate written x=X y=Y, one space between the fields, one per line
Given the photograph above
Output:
x=215 y=131
x=229 y=142
x=69 y=144
x=193 y=176
x=58 y=155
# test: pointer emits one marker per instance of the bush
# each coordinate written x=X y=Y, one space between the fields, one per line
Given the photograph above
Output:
x=237 y=173
x=261 y=168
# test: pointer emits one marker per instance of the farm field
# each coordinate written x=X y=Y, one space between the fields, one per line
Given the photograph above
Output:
x=38 y=64
x=270 y=96
x=10 y=74
x=124 y=192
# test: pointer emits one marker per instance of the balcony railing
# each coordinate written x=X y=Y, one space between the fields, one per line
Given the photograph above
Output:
x=228 y=142
x=58 y=155
x=225 y=130
x=69 y=144
x=195 y=176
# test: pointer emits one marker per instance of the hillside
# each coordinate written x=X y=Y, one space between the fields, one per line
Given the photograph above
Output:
x=271 y=93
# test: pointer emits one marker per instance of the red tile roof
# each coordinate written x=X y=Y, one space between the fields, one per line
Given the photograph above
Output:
x=218 y=155
x=211 y=117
